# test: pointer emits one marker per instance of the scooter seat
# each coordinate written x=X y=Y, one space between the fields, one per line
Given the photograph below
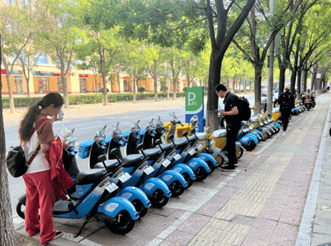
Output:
x=111 y=164
x=181 y=143
x=191 y=138
x=167 y=147
x=89 y=176
x=132 y=160
x=153 y=153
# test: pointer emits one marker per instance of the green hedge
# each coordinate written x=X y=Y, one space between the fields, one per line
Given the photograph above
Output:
x=88 y=98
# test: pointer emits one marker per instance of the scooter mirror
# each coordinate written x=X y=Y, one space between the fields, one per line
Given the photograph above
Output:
x=101 y=158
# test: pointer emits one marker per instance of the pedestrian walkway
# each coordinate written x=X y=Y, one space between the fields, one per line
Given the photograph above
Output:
x=279 y=195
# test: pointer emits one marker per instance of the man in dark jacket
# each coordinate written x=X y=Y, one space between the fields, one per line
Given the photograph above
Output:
x=286 y=102
x=233 y=124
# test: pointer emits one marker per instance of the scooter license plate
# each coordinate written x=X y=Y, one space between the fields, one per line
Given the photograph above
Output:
x=177 y=157
x=148 y=170
x=191 y=151
x=124 y=177
x=111 y=187
x=166 y=163
x=200 y=147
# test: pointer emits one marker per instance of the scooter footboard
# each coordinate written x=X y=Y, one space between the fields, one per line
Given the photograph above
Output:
x=170 y=176
x=115 y=205
x=259 y=133
x=153 y=184
x=207 y=157
x=132 y=193
x=182 y=168
x=195 y=163
x=239 y=145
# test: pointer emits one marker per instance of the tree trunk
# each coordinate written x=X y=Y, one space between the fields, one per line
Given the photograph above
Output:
x=135 y=82
x=257 y=90
x=27 y=77
x=174 y=88
x=10 y=93
x=155 y=79
x=7 y=233
x=282 y=71
x=65 y=93
x=293 y=77
x=299 y=81
x=304 y=79
x=104 y=75
x=245 y=87
x=313 y=78
x=214 y=79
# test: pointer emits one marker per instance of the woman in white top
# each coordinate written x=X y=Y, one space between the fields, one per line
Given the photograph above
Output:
x=39 y=189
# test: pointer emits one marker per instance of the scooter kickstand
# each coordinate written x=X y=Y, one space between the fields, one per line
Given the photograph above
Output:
x=88 y=217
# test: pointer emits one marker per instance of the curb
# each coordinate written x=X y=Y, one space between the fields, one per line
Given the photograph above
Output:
x=304 y=236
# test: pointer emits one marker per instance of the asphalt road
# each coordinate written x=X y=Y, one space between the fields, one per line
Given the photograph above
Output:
x=84 y=130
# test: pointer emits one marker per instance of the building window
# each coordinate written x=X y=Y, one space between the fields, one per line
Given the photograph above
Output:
x=41 y=58
x=19 y=85
x=43 y=85
x=127 y=86
x=60 y=84
x=82 y=85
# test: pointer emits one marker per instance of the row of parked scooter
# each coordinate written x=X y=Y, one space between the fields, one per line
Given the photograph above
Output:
x=119 y=189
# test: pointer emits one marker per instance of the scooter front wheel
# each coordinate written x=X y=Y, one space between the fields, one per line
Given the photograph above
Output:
x=211 y=166
x=201 y=174
x=240 y=152
x=20 y=210
x=176 y=188
x=189 y=180
x=159 y=199
x=123 y=223
x=139 y=206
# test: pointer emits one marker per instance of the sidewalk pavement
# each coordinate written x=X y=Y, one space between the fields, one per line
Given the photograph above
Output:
x=279 y=195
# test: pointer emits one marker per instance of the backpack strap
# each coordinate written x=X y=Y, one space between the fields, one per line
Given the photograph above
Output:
x=38 y=148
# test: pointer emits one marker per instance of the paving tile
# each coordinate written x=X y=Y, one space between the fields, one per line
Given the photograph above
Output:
x=193 y=224
x=180 y=237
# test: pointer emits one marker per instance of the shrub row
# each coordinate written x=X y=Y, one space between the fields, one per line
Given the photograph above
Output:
x=88 y=98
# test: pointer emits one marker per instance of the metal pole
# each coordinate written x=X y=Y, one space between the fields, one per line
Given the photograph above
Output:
x=271 y=67
x=168 y=81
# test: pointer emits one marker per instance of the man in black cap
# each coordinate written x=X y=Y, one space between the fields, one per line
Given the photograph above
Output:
x=233 y=124
x=286 y=102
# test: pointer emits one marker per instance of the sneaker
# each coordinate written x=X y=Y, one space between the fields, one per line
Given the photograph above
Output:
x=57 y=235
x=227 y=163
x=228 y=168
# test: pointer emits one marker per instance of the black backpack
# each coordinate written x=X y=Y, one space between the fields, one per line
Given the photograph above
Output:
x=244 y=109
x=286 y=101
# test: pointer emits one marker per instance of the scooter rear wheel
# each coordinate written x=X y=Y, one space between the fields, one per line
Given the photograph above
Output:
x=159 y=199
x=20 y=209
x=201 y=174
x=123 y=224
x=176 y=188
x=211 y=165
x=189 y=180
x=141 y=209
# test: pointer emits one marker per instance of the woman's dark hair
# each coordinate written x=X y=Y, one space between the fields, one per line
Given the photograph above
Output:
x=26 y=125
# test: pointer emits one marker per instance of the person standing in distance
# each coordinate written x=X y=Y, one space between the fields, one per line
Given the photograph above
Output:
x=286 y=101
x=233 y=124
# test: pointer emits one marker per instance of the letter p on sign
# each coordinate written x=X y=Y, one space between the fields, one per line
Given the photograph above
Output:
x=191 y=97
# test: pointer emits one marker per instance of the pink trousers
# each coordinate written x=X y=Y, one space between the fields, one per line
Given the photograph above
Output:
x=39 y=194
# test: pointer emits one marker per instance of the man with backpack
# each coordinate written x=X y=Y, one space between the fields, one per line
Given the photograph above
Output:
x=233 y=124
x=286 y=102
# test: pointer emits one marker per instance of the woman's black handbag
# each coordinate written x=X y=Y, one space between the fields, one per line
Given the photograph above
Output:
x=16 y=161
